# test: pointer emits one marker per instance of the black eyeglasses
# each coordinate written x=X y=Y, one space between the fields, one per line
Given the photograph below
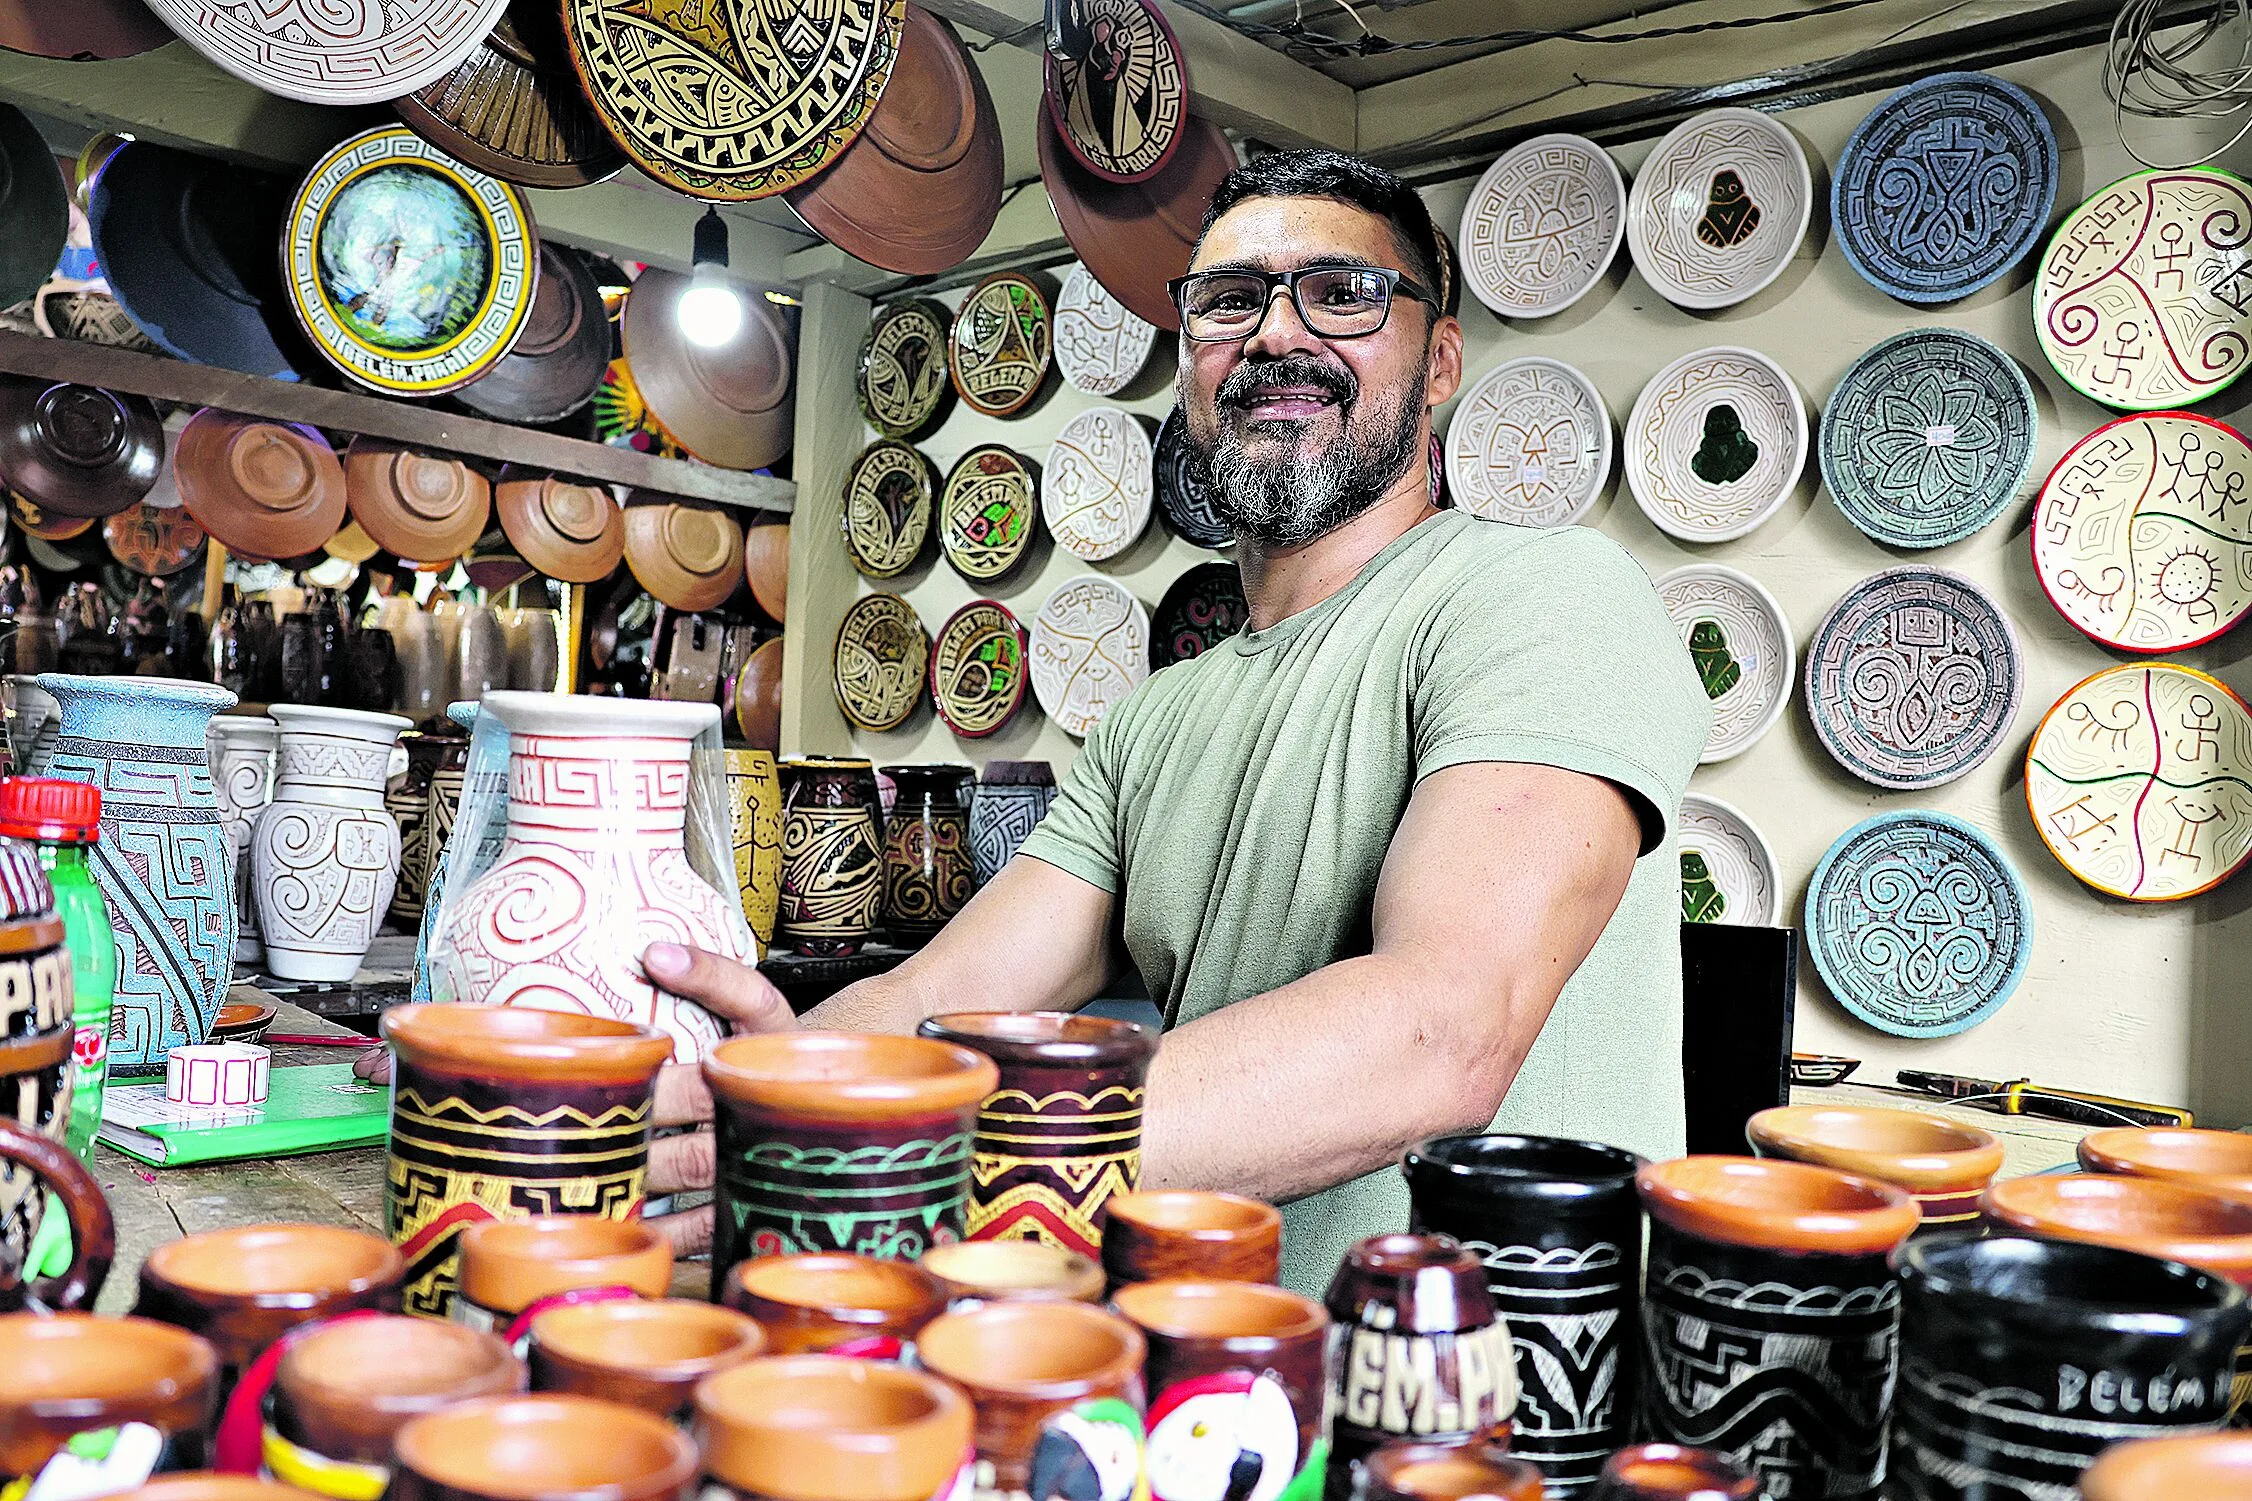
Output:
x=1334 y=302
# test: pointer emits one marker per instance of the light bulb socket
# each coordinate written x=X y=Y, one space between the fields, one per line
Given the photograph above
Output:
x=711 y=240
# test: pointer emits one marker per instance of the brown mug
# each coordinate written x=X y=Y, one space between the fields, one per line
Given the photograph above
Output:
x=811 y=1428
x=1944 y=1165
x=1155 y=1234
x=541 y=1448
x=42 y=1165
x=646 y=1353
x=1408 y=1471
x=852 y=1305
x=243 y=1289
x=2199 y=1467
x=71 y=1373
x=2212 y=1159
x=508 y=1265
x=1057 y=1388
x=1012 y=1271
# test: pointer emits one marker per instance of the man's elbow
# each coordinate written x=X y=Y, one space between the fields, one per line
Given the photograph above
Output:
x=1471 y=1059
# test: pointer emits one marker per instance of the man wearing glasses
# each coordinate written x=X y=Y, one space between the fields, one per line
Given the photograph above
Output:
x=1394 y=861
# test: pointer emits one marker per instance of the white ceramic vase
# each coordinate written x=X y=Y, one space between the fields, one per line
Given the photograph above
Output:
x=36 y=722
x=325 y=855
x=241 y=747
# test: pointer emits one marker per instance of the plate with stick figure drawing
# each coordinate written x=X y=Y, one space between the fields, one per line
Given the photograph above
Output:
x=2139 y=780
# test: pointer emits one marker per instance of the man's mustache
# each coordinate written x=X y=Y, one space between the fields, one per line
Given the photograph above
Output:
x=1248 y=378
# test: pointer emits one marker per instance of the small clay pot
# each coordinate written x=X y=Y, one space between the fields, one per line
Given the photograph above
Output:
x=1673 y=1472
x=2208 y=1159
x=1013 y=1271
x=71 y=1373
x=805 y=1428
x=1148 y=1236
x=2203 y=1467
x=1943 y=1164
x=813 y=1303
x=2172 y=1220
x=243 y=1289
x=542 y=1448
x=208 y=1485
x=646 y=1354
x=1036 y=1370
x=1448 y=1472
x=341 y=1393
x=508 y=1265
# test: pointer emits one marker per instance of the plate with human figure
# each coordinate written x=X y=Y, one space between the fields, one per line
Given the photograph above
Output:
x=1530 y=442
x=1715 y=444
x=1728 y=873
x=1097 y=489
x=1741 y=644
x=1090 y=648
x=1542 y=226
x=1719 y=208
x=1100 y=346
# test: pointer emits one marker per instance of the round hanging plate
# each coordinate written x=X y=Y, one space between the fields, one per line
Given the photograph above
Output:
x=766 y=564
x=689 y=554
x=561 y=354
x=2142 y=536
x=1542 y=226
x=2144 y=298
x=1137 y=236
x=887 y=509
x=1100 y=347
x=1204 y=607
x=264 y=489
x=513 y=107
x=1182 y=490
x=882 y=657
x=33 y=204
x=154 y=542
x=733 y=102
x=978 y=669
x=986 y=512
x=1918 y=924
x=1913 y=678
x=1928 y=437
x=734 y=405
x=1090 y=648
x=758 y=696
x=354 y=53
x=2135 y=781
x=1728 y=873
x=1096 y=488
x=35 y=520
x=623 y=420
x=80 y=32
x=1116 y=86
x=902 y=371
x=79 y=450
x=420 y=507
x=1743 y=649
x=1715 y=444
x=998 y=346
x=1719 y=209
x=1529 y=443
x=411 y=272
x=1945 y=186
x=567 y=531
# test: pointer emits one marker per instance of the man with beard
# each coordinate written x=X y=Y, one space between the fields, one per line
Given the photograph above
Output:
x=1395 y=860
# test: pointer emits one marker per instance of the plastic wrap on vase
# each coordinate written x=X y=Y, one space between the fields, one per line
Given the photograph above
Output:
x=490 y=774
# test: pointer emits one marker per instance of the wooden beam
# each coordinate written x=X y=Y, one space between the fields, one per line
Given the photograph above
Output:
x=823 y=583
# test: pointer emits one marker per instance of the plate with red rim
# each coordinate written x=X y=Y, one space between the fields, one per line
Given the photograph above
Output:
x=978 y=668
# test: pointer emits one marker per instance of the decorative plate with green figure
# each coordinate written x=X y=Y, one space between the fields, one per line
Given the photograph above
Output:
x=1742 y=646
x=999 y=347
x=1715 y=444
x=1728 y=873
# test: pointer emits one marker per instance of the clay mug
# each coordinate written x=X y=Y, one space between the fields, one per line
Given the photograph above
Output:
x=849 y=1305
x=1673 y=1472
x=809 y=1428
x=41 y=1166
x=208 y=1485
x=509 y=1265
x=1012 y=1271
x=2210 y=1159
x=1406 y=1471
x=71 y=1373
x=541 y=1448
x=2203 y=1467
x=242 y=1289
x=1057 y=1388
x=1152 y=1235
x=648 y=1353
x=1237 y=1387
x=1944 y=1165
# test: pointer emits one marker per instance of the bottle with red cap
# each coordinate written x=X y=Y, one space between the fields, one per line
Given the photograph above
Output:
x=64 y=819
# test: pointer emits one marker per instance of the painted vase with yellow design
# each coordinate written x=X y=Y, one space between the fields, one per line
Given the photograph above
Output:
x=754 y=816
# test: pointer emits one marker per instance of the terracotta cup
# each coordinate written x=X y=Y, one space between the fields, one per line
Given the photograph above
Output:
x=1062 y=1132
x=1058 y=1393
x=645 y=1353
x=841 y=1141
x=33 y=1165
x=243 y=1289
x=508 y=1265
x=2210 y=1159
x=542 y=1448
x=2206 y=1467
x=71 y=1373
x=1673 y=1472
x=1943 y=1164
x=1152 y=1235
x=1405 y=1471
x=1795 y=1380
x=852 y=1304
x=806 y=1428
x=1237 y=1386
x=1012 y=1271
x=206 y=1485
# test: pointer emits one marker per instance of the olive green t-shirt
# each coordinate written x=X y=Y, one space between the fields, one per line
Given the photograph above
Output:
x=1243 y=801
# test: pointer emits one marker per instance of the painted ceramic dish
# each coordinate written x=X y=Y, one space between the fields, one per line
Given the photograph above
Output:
x=1719 y=209
x=1913 y=678
x=1182 y=491
x=513 y=107
x=331 y=54
x=2142 y=536
x=1100 y=347
x=1096 y=488
x=735 y=405
x=978 y=668
x=623 y=420
x=2144 y=298
x=1728 y=873
x=1945 y=186
x=1542 y=226
x=902 y=372
x=1918 y=924
x=1928 y=437
x=1821 y=1070
x=1116 y=87
x=153 y=542
x=1134 y=236
x=738 y=102
x=1743 y=649
x=998 y=347
x=882 y=659
x=1204 y=607
x=1529 y=443
x=410 y=272
x=2136 y=779
x=1715 y=444
x=887 y=510
x=1090 y=648
x=987 y=512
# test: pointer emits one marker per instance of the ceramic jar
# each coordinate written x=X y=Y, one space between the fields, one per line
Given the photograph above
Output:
x=33 y=1166
x=832 y=859
x=502 y=1112
x=841 y=1141
x=162 y=861
x=834 y=1303
x=928 y=876
x=596 y=855
x=324 y=857
x=1012 y=1271
x=1062 y=1132
x=509 y=1266
x=34 y=720
x=1771 y=1322
x=2022 y=1359
x=1559 y=1228
x=241 y=747
x=480 y=664
x=407 y=799
x=802 y=1428
x=2209 y=1159
x=71 y=1373
x=1057 y=1389
x=1181 y=1233
x=1673 y=1472
x=442 y=804
x=1943 y=1164
x=1011 y=800
x=648 y=1354
x=446 y=787
x=1402 y=1471
x=2206 y=1467
x=754 y=819
x=541 y=1448
x=243 y=1289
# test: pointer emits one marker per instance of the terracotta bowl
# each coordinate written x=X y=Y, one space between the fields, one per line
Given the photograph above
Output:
x=508 y=1265
x=526 y=1042
x=1152 y=1234
x=1008 y=1271
x=1661 y=1470
x=1779 y=1206
x=2210 y=1159
x=807 y=1303
x=2200 y=1467
x=647 y=1354
x=70 y=1372
x=242 y=1021
x=821 y=1429
x=244 y=1288
x=344 y=1390
x=1198 y=1308
x=1942 y=1163
x=208 y=1485
x=1407 y=1471
x=2175 y=1221
x=1031 y=1350
x=539 y=1447
x=848 y=1076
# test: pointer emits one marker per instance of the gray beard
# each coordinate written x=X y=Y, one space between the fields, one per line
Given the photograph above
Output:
x=1290 y=503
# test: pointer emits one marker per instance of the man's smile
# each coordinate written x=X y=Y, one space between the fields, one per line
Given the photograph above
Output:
x=1283 y=403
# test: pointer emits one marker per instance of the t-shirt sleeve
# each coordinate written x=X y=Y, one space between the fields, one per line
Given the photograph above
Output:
x=1080 y=833
x=1562 y=655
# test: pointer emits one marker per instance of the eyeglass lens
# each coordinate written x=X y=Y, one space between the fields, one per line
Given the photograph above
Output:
x=1339 y=302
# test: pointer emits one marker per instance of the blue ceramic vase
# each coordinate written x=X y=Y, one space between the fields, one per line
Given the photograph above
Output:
x=163 y=862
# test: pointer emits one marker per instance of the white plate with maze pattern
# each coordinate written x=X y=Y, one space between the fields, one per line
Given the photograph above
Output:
x=1728 y=873
x=1529 y=443
x=1542 y=225
x=1741 y=644
x=332 y=51
x=1719 y=209
x=1715 y=444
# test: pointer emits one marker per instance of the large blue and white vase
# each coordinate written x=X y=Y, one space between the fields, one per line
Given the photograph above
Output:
x=163 y=862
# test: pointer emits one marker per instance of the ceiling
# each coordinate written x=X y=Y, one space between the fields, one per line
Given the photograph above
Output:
x=1352 y=23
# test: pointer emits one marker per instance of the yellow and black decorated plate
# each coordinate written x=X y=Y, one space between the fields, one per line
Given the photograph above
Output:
x=882 y=657
x=887 y=509
x=987 y=511
x=902 y=374
x=999 y=347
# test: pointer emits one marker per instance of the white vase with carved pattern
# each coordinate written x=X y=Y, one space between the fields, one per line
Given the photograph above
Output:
x=242 y=747
x=325 y=855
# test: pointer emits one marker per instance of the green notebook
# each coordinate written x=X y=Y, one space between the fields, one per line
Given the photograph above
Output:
x=315 y=1108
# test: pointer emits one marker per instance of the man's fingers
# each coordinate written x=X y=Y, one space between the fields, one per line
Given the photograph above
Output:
x=734 y=992
x=374 y=1065
x=690 y=1231
x=682 y=1099
x=679 y=1162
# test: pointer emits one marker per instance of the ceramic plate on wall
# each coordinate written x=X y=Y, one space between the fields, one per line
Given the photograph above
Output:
x=1715 y=444
x=1000 y=343
x=1096 y=489
x=1204 y=607
x=1529 y=443
x=326 y=54
x=1090 y=648
x=2142 y=536
x=1542 y=225
x=987 y=512
x=2144 y=298
x=1182 y=491
x=1918 y=924
x=1945 y=186
x=1116 y=86
x=978 y=668
x=882 y=658
x=1913 y=678
x=901 y=378
x=1742 y=646
x=887 y=509
x=2135 y=781
x=1728 y=873
x=1928 y=437
x=1100 y=347
x=1719 y=208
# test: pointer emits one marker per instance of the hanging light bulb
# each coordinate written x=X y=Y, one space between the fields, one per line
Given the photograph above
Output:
x=711 y=310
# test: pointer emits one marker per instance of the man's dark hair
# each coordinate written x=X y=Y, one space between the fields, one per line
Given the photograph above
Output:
x=1348 y=179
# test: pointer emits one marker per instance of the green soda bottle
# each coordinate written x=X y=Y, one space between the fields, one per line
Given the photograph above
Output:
x=64 y=819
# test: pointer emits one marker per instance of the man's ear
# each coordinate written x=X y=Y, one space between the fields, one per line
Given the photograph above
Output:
x=1444 y=372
